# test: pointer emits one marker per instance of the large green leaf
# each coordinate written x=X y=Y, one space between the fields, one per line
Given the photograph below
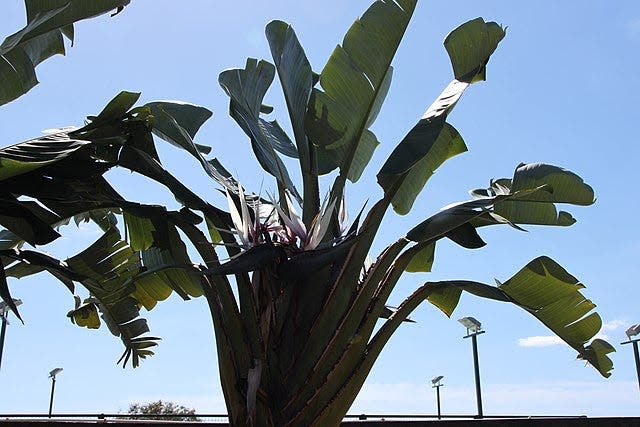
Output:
x=432 y=141
x=105 y=269
x=29 y=155
x=74 y=11
x=177 y=123
x=188 y=116
x=20 y=55
x=246 y=89
x=450 y=218
x=115 y=109
x=470 y=46
x=41 y=38
x=296 y=79
x=449 y=143
x=32 y=262
x=422 y=260
x=19 y=219
x=120 y=281
x=531 y=203
x=558 y=186
x=34 y=21
x=548 y=292
x=564 y=186
x=354 y=83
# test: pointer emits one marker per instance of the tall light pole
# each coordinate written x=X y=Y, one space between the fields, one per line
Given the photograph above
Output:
x=436 y=383
x=633 y=331
x=474 y=328
x=4 y=312
x=52 y=375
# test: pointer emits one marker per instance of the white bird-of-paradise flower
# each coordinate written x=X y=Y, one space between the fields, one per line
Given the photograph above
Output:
x=271 y=222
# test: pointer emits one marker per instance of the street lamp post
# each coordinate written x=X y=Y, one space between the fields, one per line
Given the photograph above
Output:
x=436 y=383
x=4 y=313
x=474 y=328
x=52 y=375
x=633 y=331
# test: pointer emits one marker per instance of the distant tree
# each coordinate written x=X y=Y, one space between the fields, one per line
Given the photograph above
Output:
x=168 y=411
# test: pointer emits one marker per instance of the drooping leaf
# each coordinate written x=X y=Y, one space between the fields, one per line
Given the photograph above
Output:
x=177 y=123
x=76 y=10
x=111 y=270
x=423 y=259
x=552 y=295
x=161 y=249
x=44 y=46
x=32 y=262
x=26 y=156
x=85 y=316
x=549 y=293
x=446 y=295
x=140 y=231
x=41 y=38
x=189 y=117
x=5 y=294
x=22 y=221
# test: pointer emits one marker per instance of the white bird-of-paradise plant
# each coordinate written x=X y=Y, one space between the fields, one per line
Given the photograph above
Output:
x=295 y=299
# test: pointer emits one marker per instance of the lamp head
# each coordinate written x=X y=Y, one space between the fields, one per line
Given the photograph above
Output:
x=55 y=372
x=472 y=324
x=633 y=331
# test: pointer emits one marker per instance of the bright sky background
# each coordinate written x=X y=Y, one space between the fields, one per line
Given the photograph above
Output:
x=562 y=88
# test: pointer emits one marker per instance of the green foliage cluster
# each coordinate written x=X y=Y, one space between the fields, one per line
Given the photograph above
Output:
x=160 y=410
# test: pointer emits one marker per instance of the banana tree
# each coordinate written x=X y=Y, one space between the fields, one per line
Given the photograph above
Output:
x=294 y=301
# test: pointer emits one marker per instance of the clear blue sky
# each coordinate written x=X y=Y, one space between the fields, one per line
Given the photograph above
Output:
x=562 y=88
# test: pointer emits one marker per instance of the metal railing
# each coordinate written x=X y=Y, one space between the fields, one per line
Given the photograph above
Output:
x=223 y=418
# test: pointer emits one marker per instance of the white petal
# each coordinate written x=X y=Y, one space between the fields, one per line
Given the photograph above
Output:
x=236 y=218
x=246 y=218
x=343 y=215
x=300 y=229
x=319 y=227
